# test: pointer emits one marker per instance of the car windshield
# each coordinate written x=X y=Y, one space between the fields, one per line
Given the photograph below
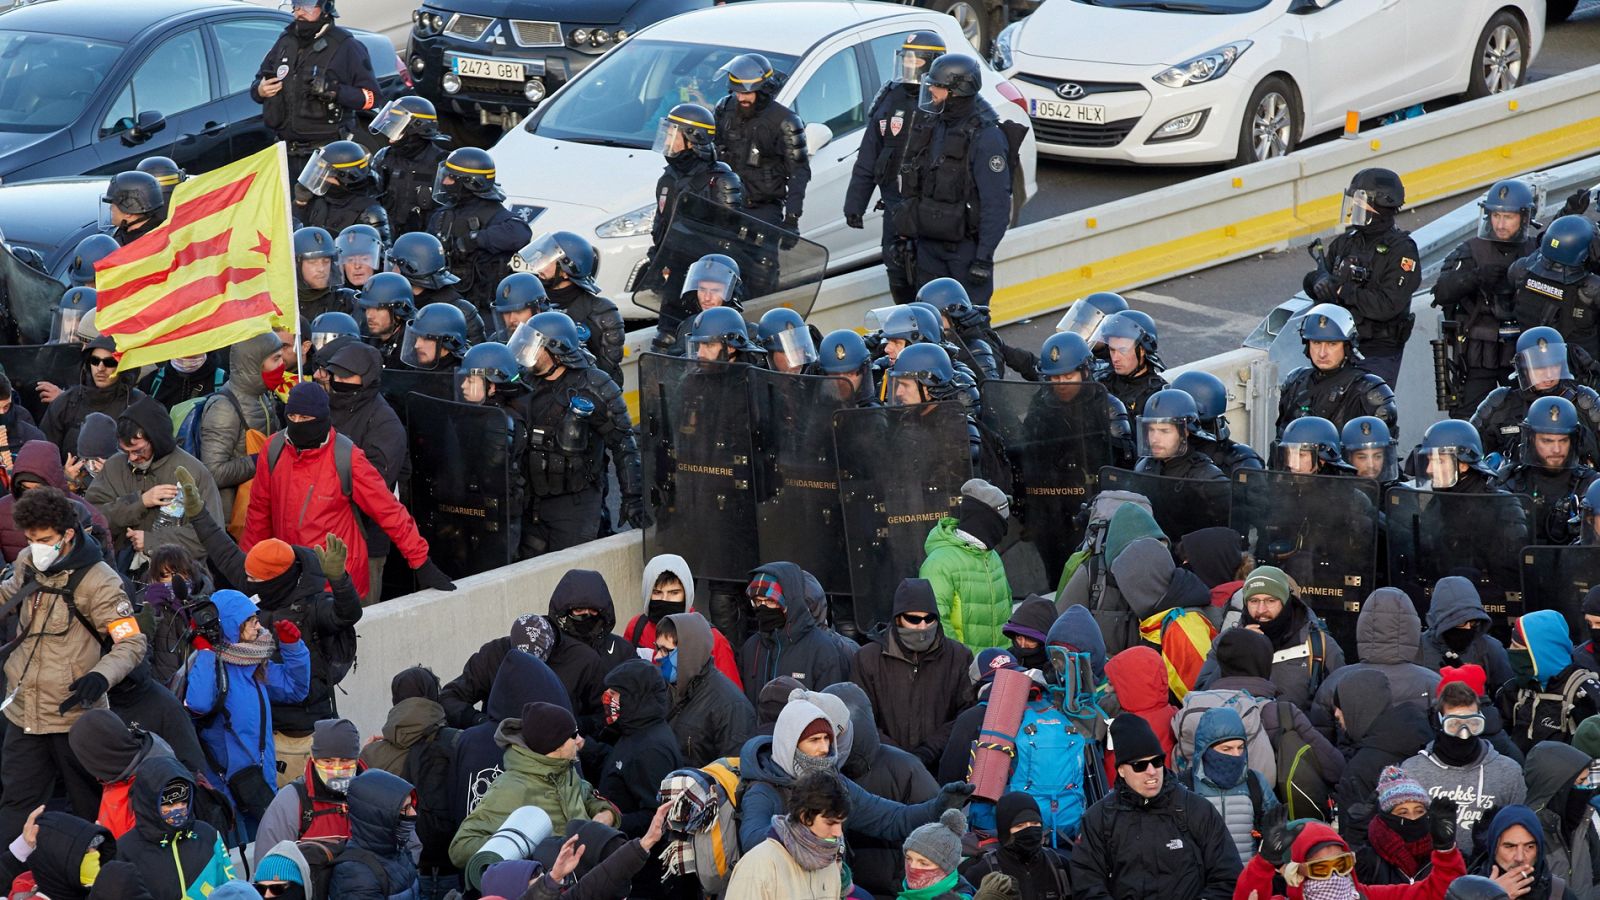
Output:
x=619 y=100
x=47 y=79
x=1203 y=7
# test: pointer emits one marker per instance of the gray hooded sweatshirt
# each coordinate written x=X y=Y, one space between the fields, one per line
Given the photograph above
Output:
x=1491 y=782
x=1552 y=767
x=1388 y=633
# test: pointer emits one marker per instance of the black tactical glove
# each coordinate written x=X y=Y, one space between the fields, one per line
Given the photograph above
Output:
x=1442 y=823
x=791 y=224
x=1325 y=289
x=663 y=342
x=853 y=220
x=1350 y=270
x=1275 y=836
x=981 y=272
x=634 y=512
x=955 y=794
x=467 y=243
x=85 y=691
x=302 y=194
x=1577 y=202
x=429 y=576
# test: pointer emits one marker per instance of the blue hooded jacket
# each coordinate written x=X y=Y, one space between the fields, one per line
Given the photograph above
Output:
x=1078 y=628
x=1516 y=814
x=1233 y=803
x=1544 y=633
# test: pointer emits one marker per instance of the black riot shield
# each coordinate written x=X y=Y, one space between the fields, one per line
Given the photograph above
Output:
x=26 y=366
x=796 y=474
x=1321 y=529
x=1179 y=504
x=1057 y=439
x=399 y=384
x=778 y=267
x=900 y=472
x=1557 y=577
x=695 y=424
x=1478 y=536
x=28 y=297
x=461 y=484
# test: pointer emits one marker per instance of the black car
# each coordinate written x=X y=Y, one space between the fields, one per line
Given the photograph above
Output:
x=93 y=86
x=494 y=60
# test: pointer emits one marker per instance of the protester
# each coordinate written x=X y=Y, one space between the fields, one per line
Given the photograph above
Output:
x=667 y=589
x=110 y=751
x=138 y=488
x=1460 y=765
x=383 y=815
x=1315 y=861
x=234 y=424
x=1458 y=632
x=1388 y=641
x=644 y=748
x=1549 y=693
x=177 y=856
x=1397 y=848
x=1304 y=654
x=1376 y=734
x=581 y=607
x=788 y=640
x=801 y=850
x=965 y=572
x=314 y=805
x=1040 y=872
x=1029 y=629
x=575 y=663
x=1220 y=773
x=1560 y=795
x=1514 y=856
x=1138 y=680
x=709 y=714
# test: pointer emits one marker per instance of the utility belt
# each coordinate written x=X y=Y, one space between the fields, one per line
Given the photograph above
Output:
x=553 y=470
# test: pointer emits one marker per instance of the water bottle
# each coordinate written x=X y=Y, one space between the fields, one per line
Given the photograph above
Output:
x=173 y=510
x=573 y=438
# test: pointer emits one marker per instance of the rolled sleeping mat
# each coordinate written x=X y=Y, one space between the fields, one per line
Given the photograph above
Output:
x=995 y=750
x=516 y=839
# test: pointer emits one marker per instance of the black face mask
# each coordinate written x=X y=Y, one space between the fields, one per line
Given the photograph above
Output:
x=769 y=619
x=1458 y=639
x=1576 y=810
x=585 y=627
x=1027 y=842
x=307 y=435
x=1037 y=658
x=9 y=417
x=1454 y=751
x=1594 y=637
x=1410 y=830
x=305 y=31
x=1278 y=629
x=657 y=610
x=343 y=387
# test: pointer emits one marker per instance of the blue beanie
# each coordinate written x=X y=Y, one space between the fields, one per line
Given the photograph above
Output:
x=275 y=867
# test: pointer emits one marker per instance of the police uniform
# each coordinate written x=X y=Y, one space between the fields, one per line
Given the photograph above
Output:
x=406 y=169
x=327 y=76
x=564 y=487
x=340 y=208
x=767 y=151
x=1338 y=396
x=1376 y=270
x=1499 y=417
x=448 y=294
x=877 y=165
x=479 y=235
x=314 y=303
x=706 y=178
x=1555 y=497
x=1475 y=292
x=1563 y=300
x=1133 y=390
x=599 y=322
x=1193 y=466
x=1230 y=456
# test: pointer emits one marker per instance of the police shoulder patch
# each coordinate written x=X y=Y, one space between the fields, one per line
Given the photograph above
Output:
x=997 y=163
x=1407 y=264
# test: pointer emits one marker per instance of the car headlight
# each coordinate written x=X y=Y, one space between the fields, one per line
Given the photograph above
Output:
x=1207 y=66
x=1000 y=55
x=628 y=224
x=580 y=36
x=427 y=24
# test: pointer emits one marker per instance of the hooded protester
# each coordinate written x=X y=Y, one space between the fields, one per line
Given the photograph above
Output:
x=284 y=873
x=581 y=607
x=1317 y=864
x=957 y=758
x=788 y=640
x=39 y=463
x=314 y=806
x=576 y=664
x=1584 y=654
x=102 y=388
x=1514 y=856
x=142 y=479
x=97 y=442
x=1029 y=629
x=668 y=589
x=1221 y=774
x=915 y=675
x=962 y=565
x=774 y=697
x=523 y=678
x=1041 y=873
x=1077 y=630
x=414 y=682
x=709 y=714
x=814 y=735
x=1388 y=637
x=419 y=747
x=645 y=748
x=185 y=378
x=143 y=703
x=1131 y=522
x=884 y=771
x=1397 y=849
x=247 y=403
x=1138 y=679
x=358 y=410
x=1218 y=557
x=1534 y=702
x=801 y=852
x=1304 y=654
x=177 y=856
x=1381 y=735
x=821 y=610
x=66 y=855
x=383 y=821
x=1459 y=764
x=1560 y=795
x=110 y=751
x=411 y=723
x=1458 y=632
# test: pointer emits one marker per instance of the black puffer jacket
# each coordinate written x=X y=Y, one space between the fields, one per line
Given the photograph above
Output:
x=644 y=748
x=1382 y=734
x=575 y=663
x=64 y=840
x=586 y=589
x=1044 y=874
x=917 y=696
x=711 y=717
x=170 y=858
x=1133 y=848
x=375 y=832
x=800 y=648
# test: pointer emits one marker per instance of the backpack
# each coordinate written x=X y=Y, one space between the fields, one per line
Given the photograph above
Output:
x=342 y=449
x=1055 y=764
x=188 y=416
x=308 y=810
x=1120 y=626
x=1258 y=746
x=428 y=767
x=338 y=648
x=1099 y=512
x=715 y=846
x=323 y=854
x=219 y=379
x=1299 y=778
x=1545 y=713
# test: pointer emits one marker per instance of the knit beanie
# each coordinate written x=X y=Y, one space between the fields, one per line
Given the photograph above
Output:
x=534 y=634
x=817 y=726
x=1396 y=787
x=1587 y=737
x=274 y=867
x=983 y=512
x=1591 y=600
x=1471 y=675
x=268 y=559
x=97 y=437
x=335 y=739
x=545 y=726
x=1269 y=580
x=940 y=841
x=308 y=399
x=1133 y=739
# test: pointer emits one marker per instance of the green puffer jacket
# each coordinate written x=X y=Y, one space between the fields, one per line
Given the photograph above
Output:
x=970 y=585
x=529 y=779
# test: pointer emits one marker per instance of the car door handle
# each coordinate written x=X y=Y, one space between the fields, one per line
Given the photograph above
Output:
x=213 y=129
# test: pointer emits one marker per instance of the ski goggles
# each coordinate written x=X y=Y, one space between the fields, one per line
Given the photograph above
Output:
x=1322 y=869
x=1463 y=726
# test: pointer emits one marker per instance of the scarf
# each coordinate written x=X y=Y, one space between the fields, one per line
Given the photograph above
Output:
x=937 y=889
x=1339 y=887
x=694 y=799
x=249 y=653
x=808 y=851
x=1407 y=856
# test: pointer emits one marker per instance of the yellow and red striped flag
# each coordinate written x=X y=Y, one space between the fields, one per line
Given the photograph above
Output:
x=214 y=273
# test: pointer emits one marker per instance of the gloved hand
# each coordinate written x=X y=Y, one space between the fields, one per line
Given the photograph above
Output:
x=193 y=502
x=997 y=886
x=634 y=512
x=955 y=794
x=302 y=194
x=1442 y=822
x=467 y=243
x=287 y=631
x=663 y=342
x=332 y=555
x=854 y=221
x=789 y=241
x=85 y=691
x=1325 y=289
x=1348 y=269
x=981 y=272
x=429 y=576
x=1577 y=202
x=1275 y=837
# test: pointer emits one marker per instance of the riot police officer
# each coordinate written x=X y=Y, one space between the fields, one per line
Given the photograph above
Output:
x=136 y=205
x=320 y=283
x=1170 y=418
x=1211 y=401
x=330 y=327
x=1451 y=459
x=899 y=327
x=478 y=232
x=956 y=175
x=165 y=171
x=436 y=338
x=421 y=259
x=361 y=254
x=687 y=138
x=763 y=141
x=843 y=355
x=1332 y=386
x=489 y=376
x=1310 y=446
x=1555 y=287
x=1084 y=316
x=968 y=324
x=1372 y=269
x=518 y=298
x=1541 y=371
x=1066 y=360
x=90 y=250
x=924 y=373
x=1475 y=294
x=1589 y=512
x=947 y=297
x=1549 y=470
x=787 y=340
x=882 y=148
x=1369 y=450
x=574 y=411
x=406 y=168
x=567 y=265
x=312 y=81
x=1134 y=373
x=386 y=307
x=72 y=315
x=720 y=334
x=340 y=191
x=711 y=282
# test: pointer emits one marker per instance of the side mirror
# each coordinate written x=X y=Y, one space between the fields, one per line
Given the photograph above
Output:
x=147 y=123
x=1305 y=7
x=817 y=136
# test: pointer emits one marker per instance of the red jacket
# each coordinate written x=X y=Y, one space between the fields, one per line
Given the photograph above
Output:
x=300 y=502
x=116 y=813
x=1139 y=677
x=641 y=632
x=1256 y=879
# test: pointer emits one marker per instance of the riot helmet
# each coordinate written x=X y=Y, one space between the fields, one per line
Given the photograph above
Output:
x=550 y=336
x=557 y=255
x=330 y=326
x=1308 y=445
x=689 y=129
x=1369 y=449
x=1475 y=887
x=165 y=171
x=917 y=52
x=467 y=172
x=1064 y=353
x=386 y=303
x=946 y=295
x=1589 y=508
x=1446 y=447
x=1550 y=432
x=361 y=253
x=517 y=298
x=420 y=257
x=1169 y=417
x=314 y=253
x=406 y=117
x=750 y=73
x=784 y=334
x=1564 y=249
x=951 y=76
x=487 y=369
x=898 y=326
x=1083 y=318
x=712 y=281
x=844 y=354
x=89 y=251
x=716 y=334
x=1130 y=342
x=1508 y=210
x=131 y=196
x=1373 y=194
x=922 y=373
x=345 y=164
x=437 y=329
x=1210 y=400
x=1328 y=323
x=75 y=310
x=1541 y=359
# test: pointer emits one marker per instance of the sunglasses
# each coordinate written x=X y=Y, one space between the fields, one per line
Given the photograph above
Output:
x=1144 y=765
x=272 y=889
x=918 y=618
x=1320 y=869
x=104 y=362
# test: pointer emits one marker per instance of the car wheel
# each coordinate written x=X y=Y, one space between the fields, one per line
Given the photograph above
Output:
x=1499 y=63
x=1558 y=11
x=1271 y=123
x=974 y=18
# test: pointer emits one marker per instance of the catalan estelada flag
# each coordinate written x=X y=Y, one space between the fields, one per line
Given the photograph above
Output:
x=214 y=273
x=1184 y=638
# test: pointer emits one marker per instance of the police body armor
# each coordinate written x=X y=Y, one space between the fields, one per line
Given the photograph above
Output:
x=1555 y=498
x=600 y=326
x=712 y=179
x=478 y=269
x=892 y=114
x=338 y=212
x=408 y=182
x=566 y=421
x=1349 y=252
x=1568 y=307
x=941 y=196
x=340 y=299
x=774 y=125
x=294 y=113
x=1485 y=312
x=1338 y=396
x=1499 y=418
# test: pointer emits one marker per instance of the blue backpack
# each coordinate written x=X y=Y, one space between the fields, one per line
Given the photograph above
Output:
x=1058 y=765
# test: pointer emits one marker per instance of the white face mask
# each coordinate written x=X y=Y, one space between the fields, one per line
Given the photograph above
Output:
x=44 y=555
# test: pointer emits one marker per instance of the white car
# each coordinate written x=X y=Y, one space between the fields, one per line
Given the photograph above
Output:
x=583 y=162
x=1205 y=81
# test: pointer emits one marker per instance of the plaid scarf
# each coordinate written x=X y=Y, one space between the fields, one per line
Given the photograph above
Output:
x=694 y=798
x=249 y=653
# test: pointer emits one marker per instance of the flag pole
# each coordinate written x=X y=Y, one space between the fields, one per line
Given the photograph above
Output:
x=288 y=219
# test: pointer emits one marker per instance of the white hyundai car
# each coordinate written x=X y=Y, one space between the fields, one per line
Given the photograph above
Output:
x=583 y=161
x=1206 y=81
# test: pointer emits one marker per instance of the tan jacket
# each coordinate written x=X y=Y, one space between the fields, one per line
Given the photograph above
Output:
x=57 y=650
x=768 y=872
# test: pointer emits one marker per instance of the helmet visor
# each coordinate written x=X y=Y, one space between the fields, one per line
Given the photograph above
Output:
x=1540 y=367
x=673 y=137
x=1441 y=467
x=1163 y=438
x=931 y=99
x=1373 y=460
x=64 y=324
x=1355 y=209
x=1082 y=319
x=796 y=346
x=709 y=284
x=1299 y=458
x=542 y=256
x=476 y=385
x=393 y=120
x=893 y=322
x=905 y=390
x=421 y=350
x=527 y=344
x=1504 y=226
x=317 y=175
x=911 y=62
x=320 y=339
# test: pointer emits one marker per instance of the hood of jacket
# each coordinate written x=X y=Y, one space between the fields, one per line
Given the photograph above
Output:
x=1150 y=582
x=660 y=564
x=411 y=720
x=694 y=648
x=108 y=749
x=792 y=581
x=863 y=726
x=84 y=552
x=1363 y=696
x=1551 y=767
x=772 y=698
x=416 y=681
x=913 y=595
x=1313 y=835
x=1405 y=730
x=42 y=460
x=233 y=608
x=1387 y=629
x=246 y=360
x=291 y=851
x=1032 y=619
x=1218 y=724
x=1077 y=628
x=360 y=358
x=1242 y=652
x=375 y=799
x=64 y=840
x=1517 y=814
x=805 y=707
x=1544 y=633
x=125 y=378
x=1213 y=554
x=156 y=423
x=943 y=536
x=521 y=679
x=1139 y=676
x=144 y=796
x=523 y=760
x=644 y=695
x=1455 y=602
x=1128 y=524
x=583 y=589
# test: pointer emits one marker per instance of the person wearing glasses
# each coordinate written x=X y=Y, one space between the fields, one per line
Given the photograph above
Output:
x=1460 y=761
x=1317 y=864
x=102 y=388
x=1152 y=837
